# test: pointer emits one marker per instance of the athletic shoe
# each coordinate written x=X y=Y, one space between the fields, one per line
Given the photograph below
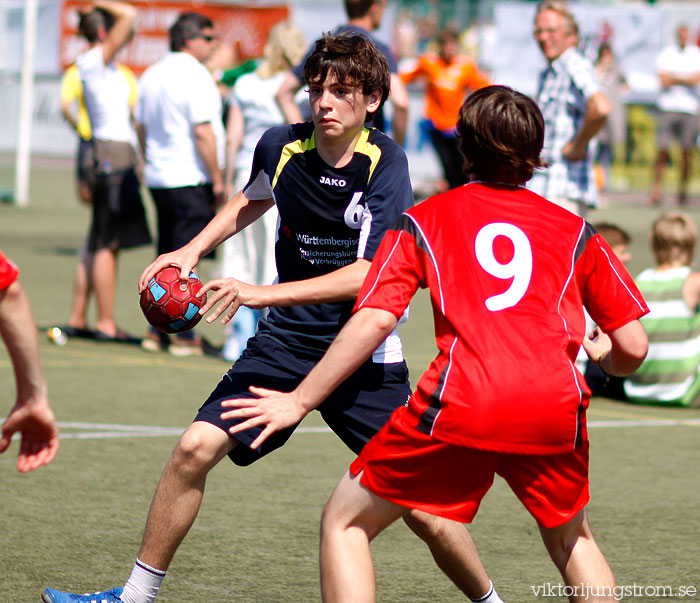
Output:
x=108 y=596
x=153 y=342
x=119 y=337
x=182 y=346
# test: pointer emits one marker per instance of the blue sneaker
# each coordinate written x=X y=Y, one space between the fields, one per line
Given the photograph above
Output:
x=109 y=596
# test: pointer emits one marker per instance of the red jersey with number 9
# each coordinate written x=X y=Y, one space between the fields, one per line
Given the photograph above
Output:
x=509 y=274
x=8 y=272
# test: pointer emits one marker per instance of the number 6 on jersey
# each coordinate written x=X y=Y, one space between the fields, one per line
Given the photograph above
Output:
x=519 y=268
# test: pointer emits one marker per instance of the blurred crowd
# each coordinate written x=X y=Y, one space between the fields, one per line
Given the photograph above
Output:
x=583 y=102
x=300 y=211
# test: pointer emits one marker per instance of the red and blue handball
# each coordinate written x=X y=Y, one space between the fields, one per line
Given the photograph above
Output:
x=169 y=308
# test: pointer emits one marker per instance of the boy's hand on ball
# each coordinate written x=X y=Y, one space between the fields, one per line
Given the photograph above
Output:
x=230 y=294
x=181 y=259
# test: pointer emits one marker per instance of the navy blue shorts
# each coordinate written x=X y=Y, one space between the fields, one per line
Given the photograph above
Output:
x=355 y=411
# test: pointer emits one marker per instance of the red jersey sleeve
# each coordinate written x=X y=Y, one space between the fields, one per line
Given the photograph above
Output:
x=607 y=290
x=8 y=272
x=397 y=271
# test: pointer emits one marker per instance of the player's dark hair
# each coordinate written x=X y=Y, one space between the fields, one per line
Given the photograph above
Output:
x=354 y=60
x=90 y=23
x=612 y=233
x=501 y=133
x=187 y=27
x=356 y=9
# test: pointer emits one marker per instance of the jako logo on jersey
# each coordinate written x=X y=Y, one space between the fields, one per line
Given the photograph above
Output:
x=332 y=181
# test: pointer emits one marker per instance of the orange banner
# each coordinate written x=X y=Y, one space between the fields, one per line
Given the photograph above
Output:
x=243 y=29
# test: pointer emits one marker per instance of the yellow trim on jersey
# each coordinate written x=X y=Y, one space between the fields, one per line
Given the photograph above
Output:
x=367 y=148
x=300 y=146
x=72 y=91
x=289 y=150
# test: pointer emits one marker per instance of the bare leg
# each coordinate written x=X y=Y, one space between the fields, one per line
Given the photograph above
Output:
x=454 y=552
x=657 y=188
x=81 y=294
x=179 y=493
x=685 y=173
x=104 y=278
x=352 y=517
x=579 y=560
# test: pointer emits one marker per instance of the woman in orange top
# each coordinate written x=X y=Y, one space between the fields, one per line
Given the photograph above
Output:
x=449 y=77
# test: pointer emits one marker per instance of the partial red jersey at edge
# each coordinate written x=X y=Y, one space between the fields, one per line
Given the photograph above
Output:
x=509 y=273
x=8 y=272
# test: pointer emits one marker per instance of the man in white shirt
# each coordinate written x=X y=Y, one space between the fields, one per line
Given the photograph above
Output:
x=180 y=130
x=678 y=67
x=118 y=217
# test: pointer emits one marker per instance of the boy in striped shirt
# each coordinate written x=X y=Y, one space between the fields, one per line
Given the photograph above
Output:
x=669 y=374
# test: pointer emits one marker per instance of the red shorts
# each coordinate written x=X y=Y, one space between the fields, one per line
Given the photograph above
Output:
x=8 y=272
x=410 y=468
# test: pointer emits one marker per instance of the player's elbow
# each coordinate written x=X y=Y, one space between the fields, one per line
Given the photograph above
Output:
x=630 y=347
x=377 y=320
x=12 y=294
x=398 y=94
x=13 y=300
x=640 y=351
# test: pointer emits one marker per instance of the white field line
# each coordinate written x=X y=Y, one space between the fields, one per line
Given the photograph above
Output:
x=644 y=423
x=109 y=430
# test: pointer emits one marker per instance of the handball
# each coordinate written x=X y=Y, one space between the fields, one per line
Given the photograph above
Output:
x=167 y=307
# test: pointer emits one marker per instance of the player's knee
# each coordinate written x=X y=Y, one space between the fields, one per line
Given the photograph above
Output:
x=335 y=520
x=426 y=526
x=562 y=540
x=194 y=451
x=330 y=517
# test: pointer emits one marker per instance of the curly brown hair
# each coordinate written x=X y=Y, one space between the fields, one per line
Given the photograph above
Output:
x=354 y=60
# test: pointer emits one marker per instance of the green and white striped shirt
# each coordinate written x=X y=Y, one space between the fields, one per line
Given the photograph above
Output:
x=669 y=374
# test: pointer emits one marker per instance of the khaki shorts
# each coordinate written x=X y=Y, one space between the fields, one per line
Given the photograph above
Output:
x=679 y=126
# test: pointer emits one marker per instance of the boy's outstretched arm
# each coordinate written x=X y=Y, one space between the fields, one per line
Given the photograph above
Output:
x=31 y=415
x=355 y=343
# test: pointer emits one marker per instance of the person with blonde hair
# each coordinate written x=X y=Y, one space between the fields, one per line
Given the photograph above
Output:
x=669 y=375
x=250 y=255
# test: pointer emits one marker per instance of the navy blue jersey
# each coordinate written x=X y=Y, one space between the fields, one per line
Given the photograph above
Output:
x=329 y=217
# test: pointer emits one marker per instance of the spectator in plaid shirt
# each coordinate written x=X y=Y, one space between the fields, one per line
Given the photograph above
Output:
x=574 y=109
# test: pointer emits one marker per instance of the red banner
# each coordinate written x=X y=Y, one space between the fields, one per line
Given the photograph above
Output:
x=243 y=29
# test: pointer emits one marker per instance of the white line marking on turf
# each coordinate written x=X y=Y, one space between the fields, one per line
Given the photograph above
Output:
x=644 y=423
x=110 y=430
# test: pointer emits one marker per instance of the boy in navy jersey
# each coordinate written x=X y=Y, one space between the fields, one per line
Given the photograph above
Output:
x=508 y=272
x=338 y=187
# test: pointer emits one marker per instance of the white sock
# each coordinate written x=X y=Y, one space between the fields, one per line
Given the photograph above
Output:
x=143 y=584
x=490 y=597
